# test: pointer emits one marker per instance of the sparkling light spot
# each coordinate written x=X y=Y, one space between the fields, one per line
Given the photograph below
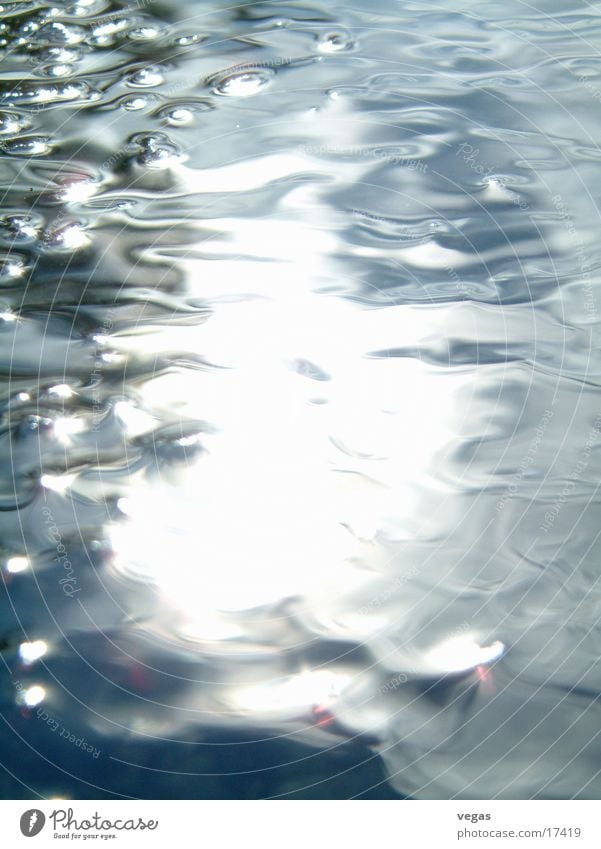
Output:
x=462 y=653
x=14 y=565
x=64 y=428
x=30 y=652
x=32 y=696
x=57 y=483
x=61 y=390
x=136 y=421
x=79 y=191
x=309 y=689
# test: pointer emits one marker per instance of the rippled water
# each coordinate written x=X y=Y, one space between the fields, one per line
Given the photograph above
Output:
x=299 y=334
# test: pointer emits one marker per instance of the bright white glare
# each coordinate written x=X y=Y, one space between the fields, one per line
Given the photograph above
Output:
x=298 y=692
x=32 y=696
x=239 y=177
x=14 y=270
x=61 y=390
x=79 y=191
x=298 y=475
x=72 y=237
x=112 y=358
x=136 y=421
x=30 y=652
x=186 y=441
x=45 y=94
x=426 y=255
x=14 y=565
x=277 y=504
x=67 y=426
x=105 y=30
x=462 y=653
x=57 y=483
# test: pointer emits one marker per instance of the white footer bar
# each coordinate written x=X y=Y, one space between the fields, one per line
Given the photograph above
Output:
x=301 y=824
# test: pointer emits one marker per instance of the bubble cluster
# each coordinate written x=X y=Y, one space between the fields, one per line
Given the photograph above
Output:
x=107 y=34
x=20 y=228
x=43 y=94
x=57 y=33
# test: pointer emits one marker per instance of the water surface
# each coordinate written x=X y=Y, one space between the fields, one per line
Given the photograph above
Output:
x=299 y=334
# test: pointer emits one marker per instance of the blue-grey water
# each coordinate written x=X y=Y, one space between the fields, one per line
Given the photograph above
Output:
x=300 y=399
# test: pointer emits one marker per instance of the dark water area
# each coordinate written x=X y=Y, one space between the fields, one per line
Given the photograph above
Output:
x=300 y=400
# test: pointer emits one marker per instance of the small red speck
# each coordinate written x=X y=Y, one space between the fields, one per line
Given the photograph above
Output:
x=482 y=673
x=485 y=678
x=323 y=715
x=138 y=678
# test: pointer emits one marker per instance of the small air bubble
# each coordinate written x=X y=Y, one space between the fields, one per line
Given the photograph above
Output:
x=187 y=40
x=179 y=117
x=133 y=104
x=241 y=83
x=104 y=34
x=60 y=54
x=159 y=156
x=144 y=33
x=183 y=113
x=146 y=77
x=11 y=124
x=334 y=42
x=34 y=146
x=58 y=70
x=59 y=33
